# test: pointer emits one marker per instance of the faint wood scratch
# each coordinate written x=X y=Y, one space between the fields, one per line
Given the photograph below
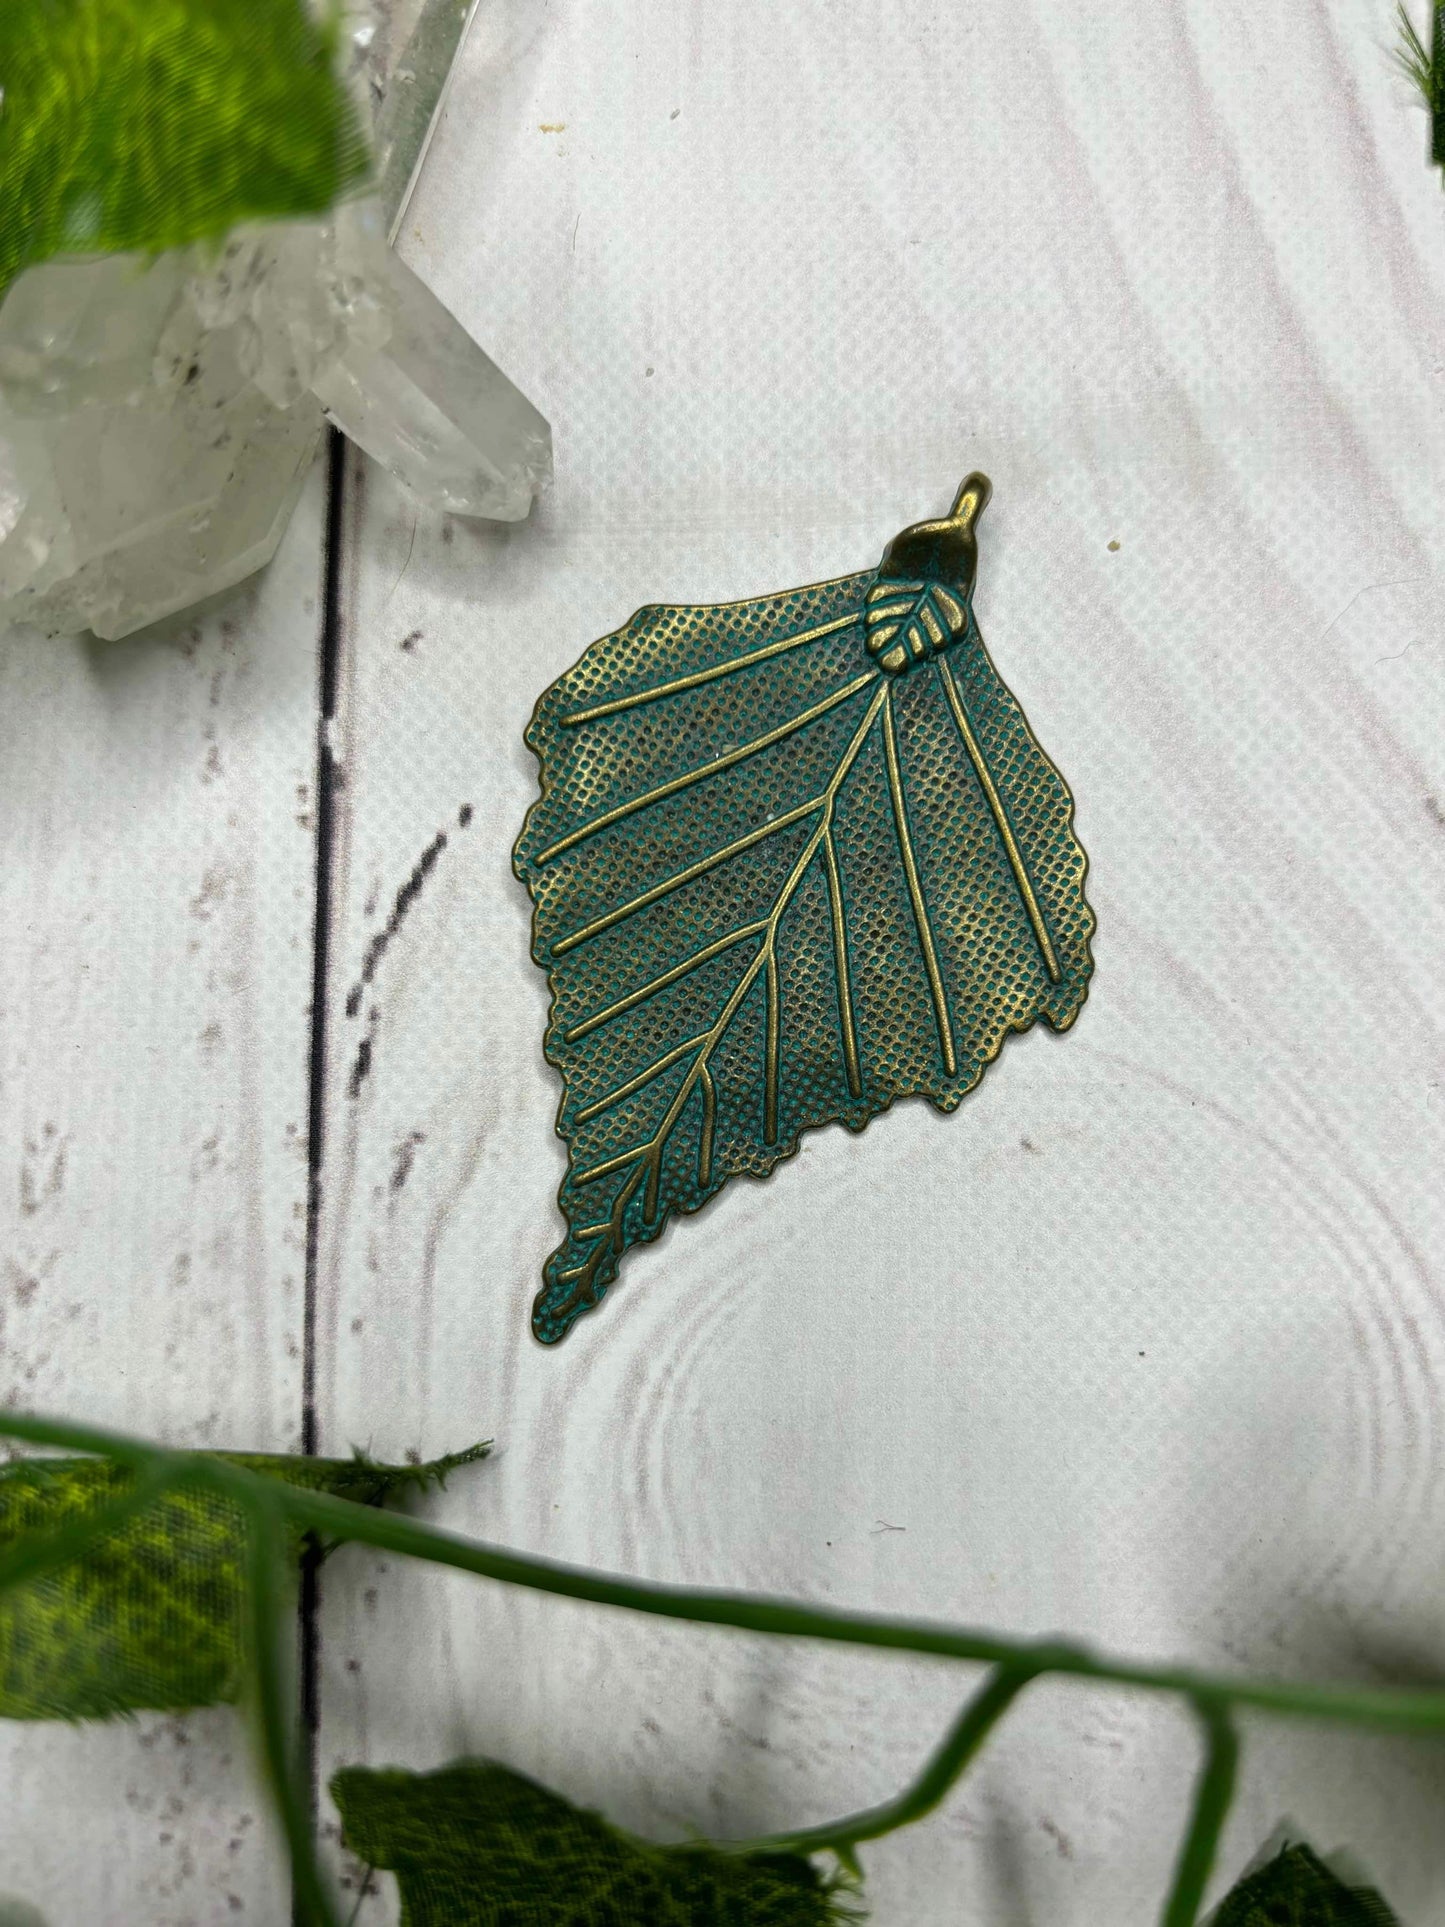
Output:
x=405 y=565
x=1399 y=652
x=1394 y=582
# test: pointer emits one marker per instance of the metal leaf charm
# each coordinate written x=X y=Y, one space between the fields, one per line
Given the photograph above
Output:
x=793 y=858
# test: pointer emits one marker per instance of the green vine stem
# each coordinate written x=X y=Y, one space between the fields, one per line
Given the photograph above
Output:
x=962 y=1742
x=266 y=1560
x=270 y=1505
x=1212 y=1797
x=1397 y=1709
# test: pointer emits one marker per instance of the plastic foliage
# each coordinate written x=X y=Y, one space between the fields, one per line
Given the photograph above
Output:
x=1425 y=66
x=274 y=1510
x=149 y=124
x=1296 y=1889
x=151 y=1615
x=476 y=1845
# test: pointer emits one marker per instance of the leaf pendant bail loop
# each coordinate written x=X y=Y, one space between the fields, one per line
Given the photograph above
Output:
x=921 y=600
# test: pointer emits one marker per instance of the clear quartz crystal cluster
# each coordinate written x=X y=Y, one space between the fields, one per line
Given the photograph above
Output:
x=157 y=417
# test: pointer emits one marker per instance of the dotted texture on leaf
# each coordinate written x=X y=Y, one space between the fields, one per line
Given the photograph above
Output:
x=149 y=124
x=153 y=1616
x=476 y=1845
x=777 y=887
x=1296 y=1889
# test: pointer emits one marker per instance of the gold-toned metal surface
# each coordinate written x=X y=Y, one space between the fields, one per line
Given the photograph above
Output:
x=794 y=857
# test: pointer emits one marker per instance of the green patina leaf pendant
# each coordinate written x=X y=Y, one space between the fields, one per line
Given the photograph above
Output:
x=794 y=857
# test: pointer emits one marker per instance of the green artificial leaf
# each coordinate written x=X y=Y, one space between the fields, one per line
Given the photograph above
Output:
x=476 y=1845
x=19 y=1913
x=794 y=858
x=1296 y=1889
x=1425 y=67
x=149 y=124
x=153 y=1615
x=1412 y=56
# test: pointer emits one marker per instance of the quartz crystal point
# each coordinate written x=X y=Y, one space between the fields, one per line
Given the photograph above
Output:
x=141 y=469
x=158 y=416
x=414 y=390
x=405 y=52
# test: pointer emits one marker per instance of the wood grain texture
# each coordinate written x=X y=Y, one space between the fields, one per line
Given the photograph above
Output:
x=155 y=944
x=1145 y=1342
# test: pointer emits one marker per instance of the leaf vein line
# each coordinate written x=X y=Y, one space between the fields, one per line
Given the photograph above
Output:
x=648 y=1156
x=715 y=767
x=689 y=875
x=587 y=1270
x=915 y=891
x=654 y=1069
x=709 y=1126
x=664 y=981
x=774 y=1029
x=785 y=896
x=838 y=917
x=609 y=1165
x=995 y=803
x=681 y=684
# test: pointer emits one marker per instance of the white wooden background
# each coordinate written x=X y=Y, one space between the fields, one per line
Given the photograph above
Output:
x=1145 y=1344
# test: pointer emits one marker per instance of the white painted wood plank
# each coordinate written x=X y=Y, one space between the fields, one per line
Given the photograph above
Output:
x=1145 y=1342
x=156 y=910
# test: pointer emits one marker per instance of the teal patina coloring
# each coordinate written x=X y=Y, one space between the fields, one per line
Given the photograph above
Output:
x=793 y=858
